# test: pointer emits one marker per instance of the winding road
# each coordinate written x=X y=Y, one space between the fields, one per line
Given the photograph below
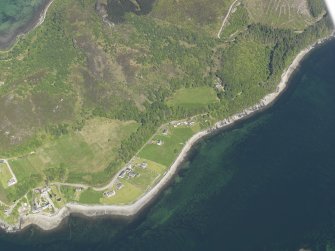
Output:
x=226 y=17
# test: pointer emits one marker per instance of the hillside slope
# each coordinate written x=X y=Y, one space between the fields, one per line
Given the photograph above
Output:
x=83 y=93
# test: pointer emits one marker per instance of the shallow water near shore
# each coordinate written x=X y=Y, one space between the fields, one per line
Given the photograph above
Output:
x=17 y=17
x=265 y=184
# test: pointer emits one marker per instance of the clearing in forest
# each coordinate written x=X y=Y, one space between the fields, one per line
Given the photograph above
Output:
x=193 y=97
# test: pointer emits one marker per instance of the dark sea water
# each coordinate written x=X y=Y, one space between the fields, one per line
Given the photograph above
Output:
x=266 y=184
x=18 y=16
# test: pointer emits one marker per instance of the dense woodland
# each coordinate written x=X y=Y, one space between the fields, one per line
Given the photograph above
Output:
x=317 y=7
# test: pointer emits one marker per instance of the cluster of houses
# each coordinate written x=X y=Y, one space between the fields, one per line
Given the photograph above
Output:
x=109 y=194
x=182 y=123
x=24 y=209
x=128 y=172
x=41 y=202
x=39 y=206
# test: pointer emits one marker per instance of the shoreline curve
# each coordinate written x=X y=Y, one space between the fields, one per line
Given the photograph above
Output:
x=8 y=42
x=48 y=223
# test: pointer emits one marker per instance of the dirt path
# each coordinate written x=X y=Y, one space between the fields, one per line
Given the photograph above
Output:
x=226 y=17
x=70 y=185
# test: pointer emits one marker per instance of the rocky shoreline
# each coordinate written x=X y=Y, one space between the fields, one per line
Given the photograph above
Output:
x=8 y=40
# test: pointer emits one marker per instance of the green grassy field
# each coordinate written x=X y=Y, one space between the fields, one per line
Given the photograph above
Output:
x=172 y=145
x=5 y=175
x=193 y=97
x=69 y=193
x=3 y=195
x=87 y=151
x=90 y=196
x=126 y=195
x=57 y=197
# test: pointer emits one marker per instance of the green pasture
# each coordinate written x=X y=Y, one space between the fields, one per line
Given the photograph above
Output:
x=193 y=97
x=5 y=175
x=90 y=196
x=171 y=147
x=88 y=151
